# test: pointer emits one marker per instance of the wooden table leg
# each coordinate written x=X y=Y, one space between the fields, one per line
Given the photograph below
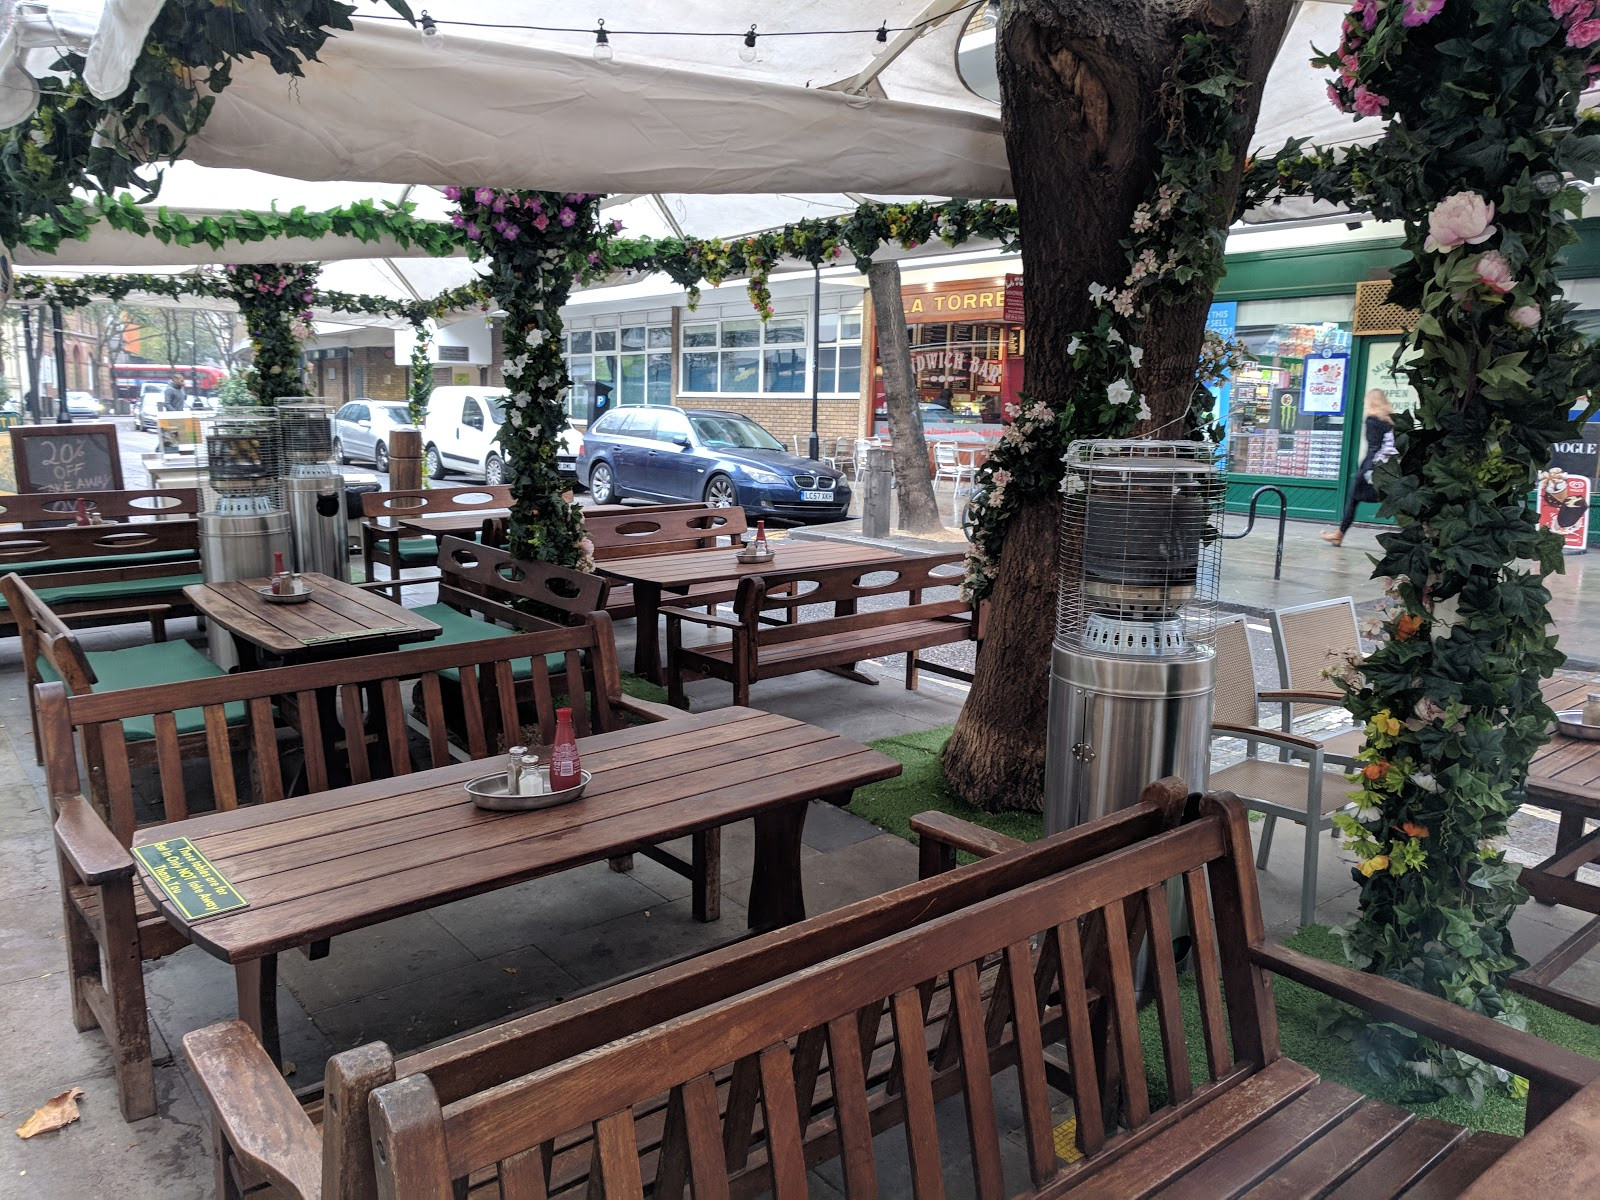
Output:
x=646 y=631
x=257 y=982
x=776 y=895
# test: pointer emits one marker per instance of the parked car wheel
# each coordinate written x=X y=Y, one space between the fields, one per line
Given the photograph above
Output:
x=435 y=464
x=380 y=458
x=602 y=487
x=720 y=492
x=494 y=470
x=339 y=455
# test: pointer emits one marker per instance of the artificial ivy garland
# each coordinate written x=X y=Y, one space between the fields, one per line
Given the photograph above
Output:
x=1483 y=139
x=1174 y=248
x=274 y=300
x=535 y=245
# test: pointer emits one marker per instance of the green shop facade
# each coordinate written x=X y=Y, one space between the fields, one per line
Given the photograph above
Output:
x=1321 y=333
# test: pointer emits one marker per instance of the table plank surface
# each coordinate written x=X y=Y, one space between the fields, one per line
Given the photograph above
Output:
x=320 y=865
x=1566 y=771
x=719 y=564
x=337 y=614
x=447 y=523
x=1560 y=1157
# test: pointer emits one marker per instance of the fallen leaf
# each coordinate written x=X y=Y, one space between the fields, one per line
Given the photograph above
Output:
x=509 y=970
x=52 y=1114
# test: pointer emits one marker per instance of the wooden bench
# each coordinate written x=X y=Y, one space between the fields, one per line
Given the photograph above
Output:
x=744 y=1067
x=51 y=651
x=108 y=573
x=33 y=509
x=111 y=927
x=665 y=530
x=384 y=542
x=763 y=648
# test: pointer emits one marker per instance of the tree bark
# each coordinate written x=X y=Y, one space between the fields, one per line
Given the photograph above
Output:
x=917 y=509
x=1080 y=84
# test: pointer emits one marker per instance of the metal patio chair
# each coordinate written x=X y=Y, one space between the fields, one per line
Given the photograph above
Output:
x=1311 y=639
x=1307 y=794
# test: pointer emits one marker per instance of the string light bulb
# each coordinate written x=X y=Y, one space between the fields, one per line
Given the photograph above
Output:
x=432 y=35
x=602 y=43
x=881 y=40
x=747 y=52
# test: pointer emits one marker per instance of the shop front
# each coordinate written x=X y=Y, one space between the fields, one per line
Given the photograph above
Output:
x=967 y=350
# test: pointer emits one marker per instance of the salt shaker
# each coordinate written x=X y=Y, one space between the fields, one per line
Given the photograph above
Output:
x=531 y=781
x=514 y=770
x=1591 y=709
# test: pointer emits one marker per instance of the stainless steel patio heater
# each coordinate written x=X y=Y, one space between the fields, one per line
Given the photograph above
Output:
x=243 y=521
x=313 y=487
x=1132 y=675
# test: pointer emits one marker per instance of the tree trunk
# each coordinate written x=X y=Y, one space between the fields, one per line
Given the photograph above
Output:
x=917 y=509
x=1080 y=84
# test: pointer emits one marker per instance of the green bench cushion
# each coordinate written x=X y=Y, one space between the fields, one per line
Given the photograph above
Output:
x=105 y=560
x=414 y=551
x=461 y=629
x=118 y=589
x=147 y=666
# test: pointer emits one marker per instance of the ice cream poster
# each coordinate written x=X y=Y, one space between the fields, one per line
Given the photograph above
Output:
x=1564 y=507
x=1322 y=392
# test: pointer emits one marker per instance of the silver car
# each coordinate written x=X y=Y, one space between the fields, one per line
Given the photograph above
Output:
x=361 y=430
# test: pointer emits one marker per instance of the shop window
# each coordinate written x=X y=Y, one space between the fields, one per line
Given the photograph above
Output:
x=597 y=370
x=959 y=367
x=1281 y=420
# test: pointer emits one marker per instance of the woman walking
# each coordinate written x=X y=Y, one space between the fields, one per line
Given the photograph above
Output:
x=1380 y=445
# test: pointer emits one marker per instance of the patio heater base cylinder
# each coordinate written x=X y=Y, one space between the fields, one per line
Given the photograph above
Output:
x=316 y=517
x=239 y=547
x=1117 y=723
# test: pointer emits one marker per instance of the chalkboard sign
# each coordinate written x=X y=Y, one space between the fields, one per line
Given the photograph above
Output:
x=67 y=458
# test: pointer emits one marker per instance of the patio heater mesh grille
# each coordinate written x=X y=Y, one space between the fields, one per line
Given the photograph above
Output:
x=241 y=456
x=306 y=433
x=1141 y=528
x=313 y=487
x=1132 y=675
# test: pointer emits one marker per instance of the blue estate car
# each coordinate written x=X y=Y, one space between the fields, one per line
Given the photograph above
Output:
x=724 y=458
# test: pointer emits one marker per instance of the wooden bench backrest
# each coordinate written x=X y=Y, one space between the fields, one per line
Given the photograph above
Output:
x=480 y=578
x=490 y=717
x=766 y=1044
x=433 y=501
x=633 y=535
x=44 y=635
x=843 y=587
x=126 y=505
x=97 y=541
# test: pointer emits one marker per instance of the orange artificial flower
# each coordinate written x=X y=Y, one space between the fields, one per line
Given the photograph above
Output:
x=1407 y=626
x=1412 y=829
x=1375 y=771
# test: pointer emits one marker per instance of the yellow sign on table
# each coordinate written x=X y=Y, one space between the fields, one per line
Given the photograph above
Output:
x=194 y=886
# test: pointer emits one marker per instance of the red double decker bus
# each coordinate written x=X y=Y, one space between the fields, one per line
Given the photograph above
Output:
x=129 y=378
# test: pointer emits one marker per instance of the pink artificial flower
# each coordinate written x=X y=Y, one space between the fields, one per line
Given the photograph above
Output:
x=1368 y=11
x=568 y=216
x=540 y=222
x=473 y=231
x=483 y=195
x=1368 y=103
x=1494 y=272
x=499 y=204
x=1349 y=66
x=1525 y=316
x=616 y=225
x=510 y=232
x=1460 y=219
x=457 y=220
x=1561 y=8
x=452 y=192
x=1336 y=98
x=1420 y=12
x=1584 y=33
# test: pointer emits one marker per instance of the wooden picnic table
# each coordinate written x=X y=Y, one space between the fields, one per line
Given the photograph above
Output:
x=653 y=574
x=315 y=866
x=339 y=619
x=448 y=524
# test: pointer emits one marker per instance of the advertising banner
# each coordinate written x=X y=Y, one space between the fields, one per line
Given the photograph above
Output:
x=1322 y=391
x=1566 y=487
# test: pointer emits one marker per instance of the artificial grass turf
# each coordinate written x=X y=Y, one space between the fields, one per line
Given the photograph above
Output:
x=922 y=786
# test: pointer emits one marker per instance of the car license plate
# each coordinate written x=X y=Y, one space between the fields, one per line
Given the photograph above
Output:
x=826 y=497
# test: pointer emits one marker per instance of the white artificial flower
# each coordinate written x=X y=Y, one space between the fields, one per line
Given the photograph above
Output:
x=1120 y=392
x=1144 y=409
x=1136 y=356
x=1098 y=292
x=1114 y=336
x=1073 y=345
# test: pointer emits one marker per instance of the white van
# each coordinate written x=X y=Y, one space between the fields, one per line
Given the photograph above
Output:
x=460 y=434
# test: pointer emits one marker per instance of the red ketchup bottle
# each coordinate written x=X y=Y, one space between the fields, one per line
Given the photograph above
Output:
x=565 y=767
x=280 y=577
x=81 y=517
x=760 y=546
